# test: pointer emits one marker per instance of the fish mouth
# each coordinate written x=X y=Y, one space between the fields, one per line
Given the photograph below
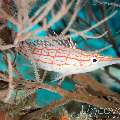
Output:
x=106 y=61
x=103 y=59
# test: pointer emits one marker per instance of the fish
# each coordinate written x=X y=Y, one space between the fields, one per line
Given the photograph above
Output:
x=65 y=60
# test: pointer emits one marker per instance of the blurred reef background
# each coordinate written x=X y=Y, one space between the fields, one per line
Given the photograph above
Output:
x=102 y=82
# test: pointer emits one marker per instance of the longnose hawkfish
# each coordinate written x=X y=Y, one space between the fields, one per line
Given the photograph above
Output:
x=65 y=60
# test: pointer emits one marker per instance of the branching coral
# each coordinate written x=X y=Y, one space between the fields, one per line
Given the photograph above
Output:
x=18 y=14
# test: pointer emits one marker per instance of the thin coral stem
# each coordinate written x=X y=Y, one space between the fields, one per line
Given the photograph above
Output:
x=64 y=10
x=10 y=72
x=76 y=33
x=100 y=22
x=10 y=18
x=38 y=12
x=45 y=12
x=6 y=47
x=77 y=8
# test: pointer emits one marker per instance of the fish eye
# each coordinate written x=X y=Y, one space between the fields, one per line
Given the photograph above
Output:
x=94 y=60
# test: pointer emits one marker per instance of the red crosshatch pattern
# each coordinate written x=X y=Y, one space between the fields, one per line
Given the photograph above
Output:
x=62 y=59
x=58 y=55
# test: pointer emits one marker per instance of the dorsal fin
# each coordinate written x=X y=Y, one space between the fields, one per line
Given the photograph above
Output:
x=54 y=40
x=60 y=40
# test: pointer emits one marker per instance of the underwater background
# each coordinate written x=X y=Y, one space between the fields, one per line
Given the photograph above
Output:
x=92 y=11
